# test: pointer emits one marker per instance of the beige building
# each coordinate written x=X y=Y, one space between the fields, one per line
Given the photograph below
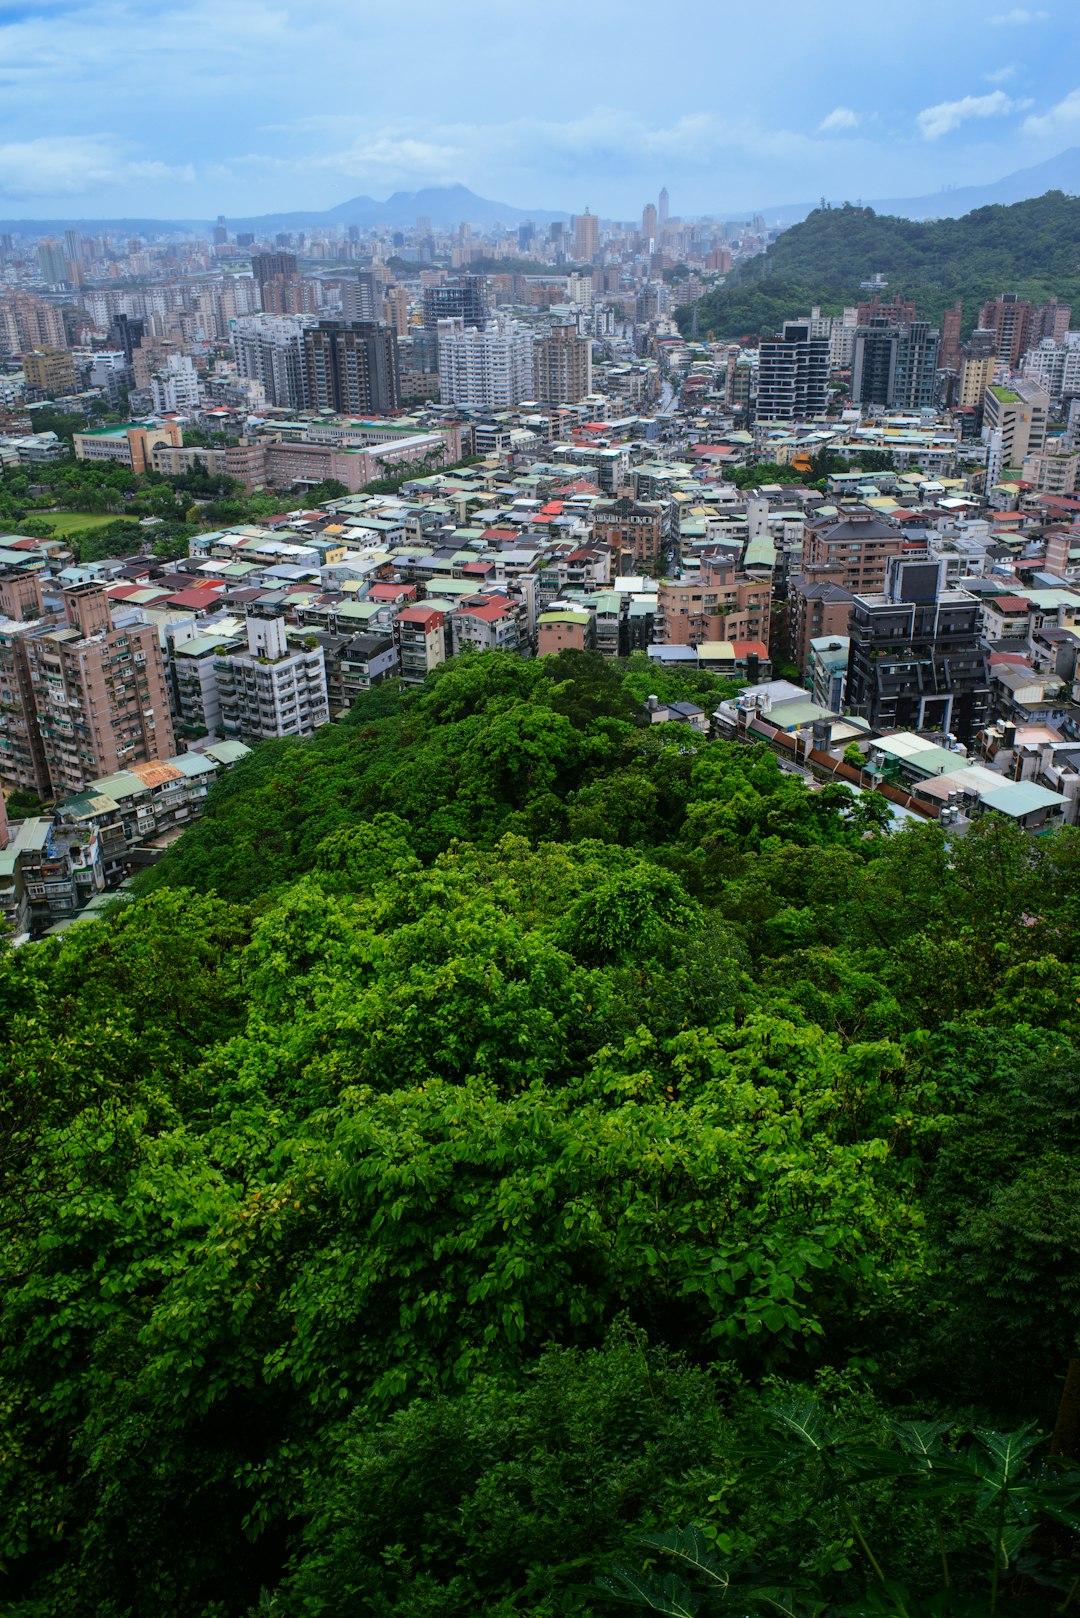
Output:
x=50 y=370
x=1014 y=426
x=586 y=237
x=562 y=367
x=851 y=549
x=976 y=376
x=129 y=444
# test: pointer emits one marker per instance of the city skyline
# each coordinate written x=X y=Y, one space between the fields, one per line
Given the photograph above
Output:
x=100 y=116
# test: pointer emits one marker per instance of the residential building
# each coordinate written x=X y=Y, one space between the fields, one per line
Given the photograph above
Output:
x=465 y=299
x=916 y=660
x=281 y=287
x=269 y=349
x=421 y=633
x=977 y=368
x=488 y=369
x=1010 y=319
x=793 y=375
x=586 y=237
x=50 y=372
x=1014 y=426
x=634 y=527
x=719 y=605
x=817 y=610
x=851 y=549
x=895 y=366
x=80 y=698
x=562 y=367
x=352 y=368
x=490 y=623
x=565 y=629
x=28 y=322
x=175 y=389
x=268 y=690
x=53 y=264
x=194 y=682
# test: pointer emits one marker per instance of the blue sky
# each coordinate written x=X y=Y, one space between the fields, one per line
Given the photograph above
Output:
x=245 y=106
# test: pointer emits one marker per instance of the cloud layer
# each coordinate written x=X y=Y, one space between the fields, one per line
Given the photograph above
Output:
x=205 y=110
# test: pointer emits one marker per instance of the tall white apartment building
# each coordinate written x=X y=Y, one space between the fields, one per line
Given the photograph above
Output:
x=1055 y=367
x=269 y=691
x=485 y=369
x=270 y=349
x=176 y=388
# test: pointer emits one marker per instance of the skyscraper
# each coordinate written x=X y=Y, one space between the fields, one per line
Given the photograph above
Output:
x=281 y=289
x=648 y=222
x=359 y=298
x=663 y=210
x=562 y=366
x=352 y=367
x=52 y=262
x=586 y=237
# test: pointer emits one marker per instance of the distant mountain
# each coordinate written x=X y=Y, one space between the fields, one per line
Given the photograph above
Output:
x=1060 y=173
x=443 y=205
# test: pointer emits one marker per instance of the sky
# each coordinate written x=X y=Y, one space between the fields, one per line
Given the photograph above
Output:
x=241 y=107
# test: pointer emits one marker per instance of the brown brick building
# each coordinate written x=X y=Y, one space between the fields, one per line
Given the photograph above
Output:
x=632 y=526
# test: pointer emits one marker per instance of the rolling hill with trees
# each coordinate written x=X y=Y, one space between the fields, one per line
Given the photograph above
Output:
x=1032 y=248
x=507 y=1160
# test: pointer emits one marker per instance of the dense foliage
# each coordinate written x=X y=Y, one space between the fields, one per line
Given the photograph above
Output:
x=499 y=1133
x=824 y=259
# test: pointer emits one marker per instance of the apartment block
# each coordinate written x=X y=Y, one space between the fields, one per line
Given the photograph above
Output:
x=352 y=368
x=1014 y=426
x=50 y=371
x=720 y=605
x=81 y=698
x=793 y=375
x=269 y=691
x=916 y=661
x=485 y=369
x=422 y=641
x=632 y=526
x=562 y=367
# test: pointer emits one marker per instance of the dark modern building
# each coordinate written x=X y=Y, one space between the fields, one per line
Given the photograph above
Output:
x=895 y=366
x=352 y=367
x=465 y=299
x=916 y=661
x=793 y=375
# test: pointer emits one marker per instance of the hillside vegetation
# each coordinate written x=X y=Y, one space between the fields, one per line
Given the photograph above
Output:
x=499 y=1132
x=1032 y=248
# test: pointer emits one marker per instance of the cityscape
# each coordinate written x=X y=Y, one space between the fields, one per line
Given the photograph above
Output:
x=539 y=814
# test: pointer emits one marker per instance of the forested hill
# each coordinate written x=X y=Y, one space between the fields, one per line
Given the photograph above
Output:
x=501 y=1132
x=1032 y=248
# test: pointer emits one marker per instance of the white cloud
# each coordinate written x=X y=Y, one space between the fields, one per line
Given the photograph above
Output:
x=940 y=120
x=1060 y=120
x=1018 y=18
x=70 y=165
x=1001 y=75
x=839 y=118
